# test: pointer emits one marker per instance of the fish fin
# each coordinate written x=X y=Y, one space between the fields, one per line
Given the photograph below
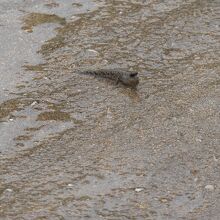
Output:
x=117 y=81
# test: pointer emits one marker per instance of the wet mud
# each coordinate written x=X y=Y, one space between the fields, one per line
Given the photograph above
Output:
x=79 y=147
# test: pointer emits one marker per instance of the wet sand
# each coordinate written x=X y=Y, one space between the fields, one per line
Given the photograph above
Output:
x=78 y=147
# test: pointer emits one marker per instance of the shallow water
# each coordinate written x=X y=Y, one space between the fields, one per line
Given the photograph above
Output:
x=79 y=147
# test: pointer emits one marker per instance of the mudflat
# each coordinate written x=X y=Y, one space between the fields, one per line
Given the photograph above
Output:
x=74 y=147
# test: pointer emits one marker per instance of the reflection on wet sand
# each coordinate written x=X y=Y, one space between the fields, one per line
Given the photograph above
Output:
x=34 y=19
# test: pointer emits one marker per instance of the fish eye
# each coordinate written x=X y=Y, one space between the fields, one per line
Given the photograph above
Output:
x=133 y=74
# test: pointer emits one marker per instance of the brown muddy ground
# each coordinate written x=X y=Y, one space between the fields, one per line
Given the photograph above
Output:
x=77 y=147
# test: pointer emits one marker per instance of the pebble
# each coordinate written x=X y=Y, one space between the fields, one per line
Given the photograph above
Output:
x=209 y=187
x=198 y=140
x=93 y=51
x=33 y=103
x=73 y=18
x=8 y=190
x=138 y=189
x=215 y=159
x=105 y=61
x=164 y=200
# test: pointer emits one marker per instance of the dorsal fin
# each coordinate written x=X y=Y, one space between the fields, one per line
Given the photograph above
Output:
x=133 y=74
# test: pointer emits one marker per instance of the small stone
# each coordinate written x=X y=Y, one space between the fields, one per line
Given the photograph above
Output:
x=70 y=185
x=105 y=61
x=93 y=51
x=28 y=30
x=138 y=189
x=164 y=200
x=9 y=190
x=73 y=17
x=33 y=103
x=215 y=159
x=209 y=187
x=11 y=119
x=198 y=140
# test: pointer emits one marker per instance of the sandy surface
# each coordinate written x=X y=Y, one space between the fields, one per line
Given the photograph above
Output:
x=78 y=147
